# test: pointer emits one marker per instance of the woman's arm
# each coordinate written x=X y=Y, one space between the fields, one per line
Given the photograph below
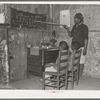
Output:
x=85 y=40
x=85 y=47
x=68 y=30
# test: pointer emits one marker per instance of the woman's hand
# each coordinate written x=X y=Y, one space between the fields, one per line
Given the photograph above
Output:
x=85 y=47
x=84 y=51
x=65 y=26
x=68 y=30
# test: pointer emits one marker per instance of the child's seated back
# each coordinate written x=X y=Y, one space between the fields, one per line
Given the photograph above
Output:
x=62 y=47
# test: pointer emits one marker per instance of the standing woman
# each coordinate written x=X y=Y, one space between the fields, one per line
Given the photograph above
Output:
x=79 y=33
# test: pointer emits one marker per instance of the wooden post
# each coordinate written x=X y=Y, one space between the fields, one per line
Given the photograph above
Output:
x=49 y=23
x=7 y=38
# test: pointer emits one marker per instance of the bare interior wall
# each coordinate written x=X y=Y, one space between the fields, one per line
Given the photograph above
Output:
x=91 y=15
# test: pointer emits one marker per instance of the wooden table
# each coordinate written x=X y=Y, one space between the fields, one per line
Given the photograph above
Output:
x=36 y=64
x=48 y=56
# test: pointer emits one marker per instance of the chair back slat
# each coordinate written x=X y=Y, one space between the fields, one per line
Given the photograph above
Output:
x=77 y=55
x=64 y=59
x=77 y=51
x=63 y=53
x=76 y=61
x=63 y=68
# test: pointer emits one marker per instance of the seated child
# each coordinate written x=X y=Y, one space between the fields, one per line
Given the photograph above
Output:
x=75 y=45
x=52 y=67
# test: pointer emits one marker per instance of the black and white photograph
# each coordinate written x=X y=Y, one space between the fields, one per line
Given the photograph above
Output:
x=49 y=46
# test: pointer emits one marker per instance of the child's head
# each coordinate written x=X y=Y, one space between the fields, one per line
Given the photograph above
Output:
x=75 y=45
x=63 y=45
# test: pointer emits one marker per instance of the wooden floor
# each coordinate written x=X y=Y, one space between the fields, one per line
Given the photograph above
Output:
x=87 y=83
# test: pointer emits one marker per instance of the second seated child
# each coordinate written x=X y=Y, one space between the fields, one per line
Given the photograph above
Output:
x=74 y=46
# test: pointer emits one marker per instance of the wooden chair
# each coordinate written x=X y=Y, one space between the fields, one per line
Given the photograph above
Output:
x=73 y=70
x=60 y=76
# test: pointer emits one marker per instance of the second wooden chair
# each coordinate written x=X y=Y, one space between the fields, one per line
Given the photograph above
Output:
x=60 y=76
x=73 y=70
